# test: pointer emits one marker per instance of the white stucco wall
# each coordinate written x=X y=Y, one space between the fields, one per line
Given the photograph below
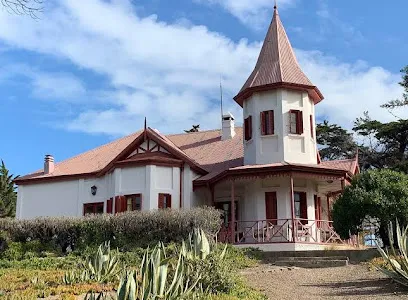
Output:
x=282 y=146
x=66 y=198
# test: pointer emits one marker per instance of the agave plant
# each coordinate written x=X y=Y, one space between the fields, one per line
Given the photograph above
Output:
x=398 y=260
x=102 y=267
x=197 y=246
x=151 y=281
x=93 y=296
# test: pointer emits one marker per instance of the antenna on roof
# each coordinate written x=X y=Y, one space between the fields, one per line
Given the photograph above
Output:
x=221 y=97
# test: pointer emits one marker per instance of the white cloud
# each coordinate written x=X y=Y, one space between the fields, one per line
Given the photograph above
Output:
x=45 y=85
x=251 y=12
x=170 y=72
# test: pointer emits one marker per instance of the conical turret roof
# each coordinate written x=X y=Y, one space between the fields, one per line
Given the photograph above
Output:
x=277 y=66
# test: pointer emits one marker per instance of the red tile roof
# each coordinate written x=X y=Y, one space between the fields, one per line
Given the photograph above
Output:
x=204 y=148
x=277 y=64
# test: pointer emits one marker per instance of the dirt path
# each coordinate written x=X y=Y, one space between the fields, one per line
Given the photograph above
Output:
x=352 y=282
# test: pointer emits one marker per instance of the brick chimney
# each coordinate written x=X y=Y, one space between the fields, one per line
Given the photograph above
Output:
x=228 y=126
x=49 y=164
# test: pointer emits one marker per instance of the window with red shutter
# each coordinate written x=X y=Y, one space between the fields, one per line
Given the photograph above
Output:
x=267 y=122
x=296 y=122
x=164 y=201
x=311 y=126
x=248 y=128
x=301 y=206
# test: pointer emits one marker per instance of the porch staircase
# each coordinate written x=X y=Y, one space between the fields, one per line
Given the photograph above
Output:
x=313 y=262
x=318 y=259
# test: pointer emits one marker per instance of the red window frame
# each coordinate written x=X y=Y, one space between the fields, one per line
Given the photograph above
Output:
x=93 y=207
x=248 y=128
x=296 y=119
x=267 y=122
x=164 y=201
x=311 y=126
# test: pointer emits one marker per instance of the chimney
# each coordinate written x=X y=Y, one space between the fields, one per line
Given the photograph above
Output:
x=49 y=165
x=228 y=126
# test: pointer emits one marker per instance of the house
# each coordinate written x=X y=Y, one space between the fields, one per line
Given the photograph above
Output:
x=267 y=177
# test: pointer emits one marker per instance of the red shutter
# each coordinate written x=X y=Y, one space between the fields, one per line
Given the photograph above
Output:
x=299 y=123
x=117 y=204
x=311 y=126
x=168 y=201
x=161 y=201
x=109 y=206
x=250 y=127
x=271 y=207
x=264 y=130
x=123 y=203
x=271 y=122
x=246 y=134
x=303 y=207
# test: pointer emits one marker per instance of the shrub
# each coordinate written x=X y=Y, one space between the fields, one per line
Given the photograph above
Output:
x=125 y=231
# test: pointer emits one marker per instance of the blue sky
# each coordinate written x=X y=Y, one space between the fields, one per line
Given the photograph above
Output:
x=90 y=71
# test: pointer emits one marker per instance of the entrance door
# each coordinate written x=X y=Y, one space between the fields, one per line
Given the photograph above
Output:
x=271 y=207
x=226 y=208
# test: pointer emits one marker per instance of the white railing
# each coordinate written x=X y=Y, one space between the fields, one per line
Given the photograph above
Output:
x=280 y=231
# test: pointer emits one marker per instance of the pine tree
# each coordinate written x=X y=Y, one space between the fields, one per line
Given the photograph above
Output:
x=8 y=194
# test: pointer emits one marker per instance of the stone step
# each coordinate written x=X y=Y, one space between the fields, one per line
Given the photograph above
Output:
x=311 y=258
x=317 y=262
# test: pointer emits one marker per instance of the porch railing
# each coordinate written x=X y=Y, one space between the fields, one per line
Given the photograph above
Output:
x=280 y=231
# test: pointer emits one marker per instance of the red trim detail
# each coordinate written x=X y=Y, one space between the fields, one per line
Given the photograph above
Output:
x=271 y=207
x=109 y=206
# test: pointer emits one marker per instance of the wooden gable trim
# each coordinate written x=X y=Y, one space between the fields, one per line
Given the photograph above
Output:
x=145 y=136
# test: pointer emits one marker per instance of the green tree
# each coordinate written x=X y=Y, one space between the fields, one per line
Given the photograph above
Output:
x=386 y=144
x=404 y=101
x=335 y=141
x=380 y=195
x=8 y=194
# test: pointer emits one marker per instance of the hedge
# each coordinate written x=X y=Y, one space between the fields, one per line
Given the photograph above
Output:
x=125 y=231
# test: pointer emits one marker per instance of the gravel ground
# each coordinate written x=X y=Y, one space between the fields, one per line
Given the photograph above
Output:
x=352 y=282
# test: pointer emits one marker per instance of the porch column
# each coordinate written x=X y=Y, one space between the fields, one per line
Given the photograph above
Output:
x=292 y=206
x=233 y=211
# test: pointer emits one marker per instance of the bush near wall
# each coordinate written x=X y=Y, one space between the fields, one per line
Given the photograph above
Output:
x=125 y=231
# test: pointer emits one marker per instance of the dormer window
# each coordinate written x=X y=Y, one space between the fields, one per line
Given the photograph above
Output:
x=248 y=128
x=296 y=122
x=267 y=122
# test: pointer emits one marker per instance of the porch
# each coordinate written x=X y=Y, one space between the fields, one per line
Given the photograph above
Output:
x=280 y=211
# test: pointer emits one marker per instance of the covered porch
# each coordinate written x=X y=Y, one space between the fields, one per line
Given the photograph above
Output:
x=279 y=208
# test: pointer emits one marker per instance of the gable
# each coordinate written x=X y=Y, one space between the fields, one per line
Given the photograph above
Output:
x=148 y=146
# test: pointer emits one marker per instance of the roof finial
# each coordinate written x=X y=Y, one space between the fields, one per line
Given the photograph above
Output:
x=276 y=5
x=145 y=123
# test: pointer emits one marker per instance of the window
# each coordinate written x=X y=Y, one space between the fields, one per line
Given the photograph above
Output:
x=267 y=122
x=300 y=206
x=296 y=122
x=93 y=208
x=164 y=201
x=248 y=128
x=311 y=126
x=128 y=203
x=134 y=202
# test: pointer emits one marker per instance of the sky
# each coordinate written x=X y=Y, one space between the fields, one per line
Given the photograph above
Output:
x=87 y=72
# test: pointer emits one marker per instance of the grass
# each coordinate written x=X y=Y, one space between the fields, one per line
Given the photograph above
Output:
x=42 y=277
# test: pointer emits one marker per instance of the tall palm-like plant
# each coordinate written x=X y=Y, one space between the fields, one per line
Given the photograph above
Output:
x=8 y=194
